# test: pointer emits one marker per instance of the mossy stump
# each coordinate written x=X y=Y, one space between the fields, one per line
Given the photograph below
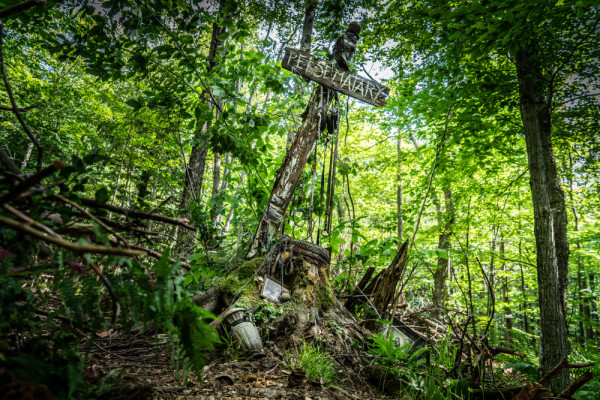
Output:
x=312 y=314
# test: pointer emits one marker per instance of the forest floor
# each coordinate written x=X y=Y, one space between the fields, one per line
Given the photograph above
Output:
x=145 y=370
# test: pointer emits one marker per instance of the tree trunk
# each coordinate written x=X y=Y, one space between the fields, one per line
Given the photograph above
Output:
x=195 y=173
x=224 y=184
x=557 y=206
x=27 y=154
x=586 y=332
x=445 y=221
x=305 y=41
x=535 y=116
x=216 y=186
x=399 y=193
x=593 y=307
x=491 y=303
x=508 y=320
x=142 y=187
x=307 y=26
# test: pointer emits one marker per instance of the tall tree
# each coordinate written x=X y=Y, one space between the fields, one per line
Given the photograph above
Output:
x=445 y=222
x=549 y=210
x=194 y=173
x=466 y=37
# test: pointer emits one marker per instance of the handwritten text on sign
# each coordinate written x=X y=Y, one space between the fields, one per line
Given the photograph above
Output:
x=328 y=74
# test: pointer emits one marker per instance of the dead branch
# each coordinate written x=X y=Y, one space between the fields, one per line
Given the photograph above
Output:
x=115 y=303
x=20 y=109
x=29 y=220
x=32 y=180
x=155 y=254
x=89 y=215
x=559 y=367
x=76 y=248
x=359 y=288
x=492 y=298
x=385 y=291
x=40 y=190
x=383 y=286
x=582 y=380
x=531 y=391
x=15 y=109
x=8 y=163
x=184 y=222
x=5 y=12
x=505 y=350
x=501 y=393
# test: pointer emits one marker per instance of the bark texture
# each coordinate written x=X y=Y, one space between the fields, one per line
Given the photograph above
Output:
x=291 y=170
x=194 y=173
x=307 y=25
x=445 y=220
x=399 y=193
x=535 y=114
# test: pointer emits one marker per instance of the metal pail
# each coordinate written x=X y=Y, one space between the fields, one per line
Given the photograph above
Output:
x=238 y=322
x=248 y=336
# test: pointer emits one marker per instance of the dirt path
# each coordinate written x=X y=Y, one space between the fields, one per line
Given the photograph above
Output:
x=144 y=364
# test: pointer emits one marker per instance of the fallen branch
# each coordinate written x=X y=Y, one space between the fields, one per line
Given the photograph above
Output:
x=501 y=393
x=92 y=217
x=560 y=366
x=532 y=390
x=40 y=190
x=139 y=214
x=505 y=350
x=582 y=380
x=29 y=220
x=74 y=247
x=155 y=254
x=32 y=180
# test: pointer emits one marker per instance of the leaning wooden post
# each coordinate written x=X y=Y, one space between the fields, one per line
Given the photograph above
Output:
x=331 y=78
x=291 y=170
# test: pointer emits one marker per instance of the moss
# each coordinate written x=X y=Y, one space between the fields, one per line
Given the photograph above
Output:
x=247 y=269
x=233 y=284
x=239 y=277
x=297 y=298
x=230 y=285
x=324 y=298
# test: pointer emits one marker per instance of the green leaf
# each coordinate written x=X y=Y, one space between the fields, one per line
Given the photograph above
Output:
x=133 y=103
x=443 y=253
x=102 y=195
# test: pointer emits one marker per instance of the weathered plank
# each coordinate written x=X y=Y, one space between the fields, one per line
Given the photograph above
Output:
x=330 y=75
x=291 y=170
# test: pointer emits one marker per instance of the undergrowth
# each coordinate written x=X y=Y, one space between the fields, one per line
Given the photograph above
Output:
x=315 y=363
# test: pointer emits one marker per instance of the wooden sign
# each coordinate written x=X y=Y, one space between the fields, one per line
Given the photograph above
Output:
x=330 y=75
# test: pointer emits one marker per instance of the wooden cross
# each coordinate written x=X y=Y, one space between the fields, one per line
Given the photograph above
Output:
x=328 y=74
x=331 y=79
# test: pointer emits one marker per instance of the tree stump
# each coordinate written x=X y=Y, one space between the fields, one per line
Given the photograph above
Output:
x=312 y=313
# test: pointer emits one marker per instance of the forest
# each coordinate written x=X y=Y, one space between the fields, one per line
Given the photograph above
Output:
x=299 y=199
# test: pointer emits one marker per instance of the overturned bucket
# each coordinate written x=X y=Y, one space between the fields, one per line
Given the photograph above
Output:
x=238 y=322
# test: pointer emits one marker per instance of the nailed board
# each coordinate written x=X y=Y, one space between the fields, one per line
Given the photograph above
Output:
x=330 y=75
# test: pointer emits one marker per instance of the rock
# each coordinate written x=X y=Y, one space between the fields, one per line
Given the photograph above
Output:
x=285 y=297
x=263 y=393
